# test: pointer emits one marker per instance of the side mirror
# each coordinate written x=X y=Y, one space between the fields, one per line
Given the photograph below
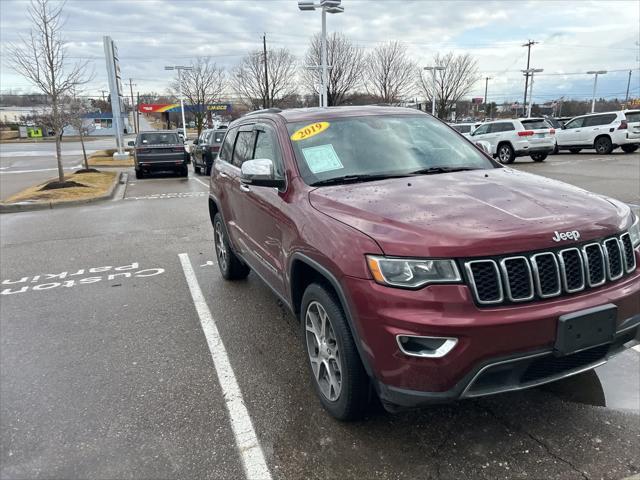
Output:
x=195 y=141
x=260 y=173
x=484 y=146
x=132 y=143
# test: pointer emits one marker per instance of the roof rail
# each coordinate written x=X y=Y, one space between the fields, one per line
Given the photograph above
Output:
x=266 y=110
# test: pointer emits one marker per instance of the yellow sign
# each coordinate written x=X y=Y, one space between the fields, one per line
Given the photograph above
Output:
x=309 y=131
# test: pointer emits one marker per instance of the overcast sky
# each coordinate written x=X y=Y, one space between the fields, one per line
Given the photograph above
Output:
x=574 y=36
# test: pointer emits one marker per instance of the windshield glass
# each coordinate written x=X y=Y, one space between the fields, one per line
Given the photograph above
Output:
x=380 y=145
x=218 y=136
x=168 y=138
x=535 y=124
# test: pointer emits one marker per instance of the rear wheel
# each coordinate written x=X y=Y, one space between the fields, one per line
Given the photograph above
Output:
x=231 y=267
x=603 y=145
x=506 y=153
x=629 y=148
x=139 y=174
x=207 y=170
x=196 y=168
x=339 y=379
x=183 y=171
x=575 y=150
x=538 y=157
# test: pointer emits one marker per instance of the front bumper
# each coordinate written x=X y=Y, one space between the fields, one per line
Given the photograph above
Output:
x=485 y=336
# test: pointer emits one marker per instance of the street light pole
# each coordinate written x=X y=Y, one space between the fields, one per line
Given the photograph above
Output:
x=595 y=84
x=527 y=72
x=433 y=77
x=179 y=68
x=486 y=87
x=327 y=6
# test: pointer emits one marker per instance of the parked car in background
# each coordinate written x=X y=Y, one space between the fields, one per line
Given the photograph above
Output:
x=421 y=270
x=466 y=129
x=603 y=132
x=204 y=150
x=159 y=150
x=510 y=139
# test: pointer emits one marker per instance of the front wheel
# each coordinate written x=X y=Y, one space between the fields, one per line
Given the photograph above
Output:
x=506 y=153
x=339 y=379
x=603 y=145
x=629 y=148
x=538 y=157
x=231 y=267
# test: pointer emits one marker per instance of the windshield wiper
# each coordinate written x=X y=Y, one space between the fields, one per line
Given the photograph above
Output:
x=433 y=170
x=357 y=178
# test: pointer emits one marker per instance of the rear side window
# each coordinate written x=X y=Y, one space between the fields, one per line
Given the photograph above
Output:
x=599 y=120
x=243 y=149
x=462 y=128
x=633 y=117
x=168 y=138
x=227 y=147
x=535 y=124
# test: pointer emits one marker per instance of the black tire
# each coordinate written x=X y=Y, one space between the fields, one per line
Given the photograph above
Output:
x=231 y=267
x=352 y=400
x=505 y=153
x=196 y=168
x=139 y=174
x=207 y=170
x=629 y=148
x=555 y=150
x=575 y=150
x=183 y=171
x=603 y=145
x=539 y=157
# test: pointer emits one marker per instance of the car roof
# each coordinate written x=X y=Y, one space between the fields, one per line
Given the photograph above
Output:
x=314 y=114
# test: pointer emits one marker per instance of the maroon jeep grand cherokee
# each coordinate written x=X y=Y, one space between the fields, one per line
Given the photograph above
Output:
x=416 y=264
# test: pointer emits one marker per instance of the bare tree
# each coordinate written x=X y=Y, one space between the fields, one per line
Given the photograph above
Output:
x=249 y=80
x=347 y=63
x=76 y=111
x=390 y=72
x=41 y=59
x=451 y=84
x=202 y=85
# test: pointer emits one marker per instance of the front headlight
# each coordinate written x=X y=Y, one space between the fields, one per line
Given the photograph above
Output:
x=634 y=232
x=412 y=273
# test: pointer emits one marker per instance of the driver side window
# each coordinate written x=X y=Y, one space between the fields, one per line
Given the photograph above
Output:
x=575 y=123
x=481 y=130
x=267 y=147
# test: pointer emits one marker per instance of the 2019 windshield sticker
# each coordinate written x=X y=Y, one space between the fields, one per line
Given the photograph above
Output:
x=322 y=158
x=309 y=131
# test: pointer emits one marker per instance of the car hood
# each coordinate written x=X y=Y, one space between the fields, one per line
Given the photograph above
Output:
x=472 y=213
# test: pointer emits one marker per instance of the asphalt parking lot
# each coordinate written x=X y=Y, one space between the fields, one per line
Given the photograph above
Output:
x=106 y=373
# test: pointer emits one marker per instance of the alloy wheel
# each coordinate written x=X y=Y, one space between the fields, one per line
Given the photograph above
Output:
x=504 y=155
x=221 y=248
x=323 y=351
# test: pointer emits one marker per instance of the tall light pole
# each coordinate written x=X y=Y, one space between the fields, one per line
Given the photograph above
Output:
x=486 y=87
x=327 y=6
x=527 y=72
x=433 y=77
x=180 y=68
x=595 y=84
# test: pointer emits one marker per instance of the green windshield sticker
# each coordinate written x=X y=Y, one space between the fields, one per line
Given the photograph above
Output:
x=322 y=158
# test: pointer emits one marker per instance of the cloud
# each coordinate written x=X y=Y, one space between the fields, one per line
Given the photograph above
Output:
x=573 y=36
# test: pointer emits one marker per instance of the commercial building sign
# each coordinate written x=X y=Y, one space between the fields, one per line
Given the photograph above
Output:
x=175 y=107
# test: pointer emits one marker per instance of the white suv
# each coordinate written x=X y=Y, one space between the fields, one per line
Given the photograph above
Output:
x=601 y=131
x=517 y=138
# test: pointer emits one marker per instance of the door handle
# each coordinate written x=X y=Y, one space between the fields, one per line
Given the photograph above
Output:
x=244 y=187
x=224 y=175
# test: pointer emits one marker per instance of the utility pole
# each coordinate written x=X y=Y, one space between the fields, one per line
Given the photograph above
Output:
x=529 y=44
x=138 y=112
x=626 y=98
x=265 y=103
x=486 y=87
x=135 y=127
x=103 y=92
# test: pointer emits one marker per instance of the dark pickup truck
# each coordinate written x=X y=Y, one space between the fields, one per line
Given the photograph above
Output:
x=159 y=150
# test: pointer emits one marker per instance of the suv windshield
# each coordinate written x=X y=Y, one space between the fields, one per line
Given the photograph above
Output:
x=168 y=138
x=378 y=146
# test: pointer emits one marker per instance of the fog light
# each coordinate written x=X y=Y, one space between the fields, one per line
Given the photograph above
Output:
x=425 y=347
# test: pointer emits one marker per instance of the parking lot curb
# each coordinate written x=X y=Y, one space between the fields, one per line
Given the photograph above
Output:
x=27 y=207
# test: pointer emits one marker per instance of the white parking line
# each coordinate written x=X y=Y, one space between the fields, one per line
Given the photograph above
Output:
x=199 y=181
x=246 y=440
x=636 y=348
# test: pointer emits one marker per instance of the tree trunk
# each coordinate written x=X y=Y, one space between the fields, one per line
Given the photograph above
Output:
x=84 y=153
x=59 y=156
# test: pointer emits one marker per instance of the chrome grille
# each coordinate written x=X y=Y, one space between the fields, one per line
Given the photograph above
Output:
x=549 y=274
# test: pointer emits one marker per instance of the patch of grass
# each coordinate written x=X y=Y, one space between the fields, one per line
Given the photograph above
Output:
x=104 y=158
x=94 y=184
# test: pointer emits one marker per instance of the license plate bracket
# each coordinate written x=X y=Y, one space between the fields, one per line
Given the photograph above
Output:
x=584 y=329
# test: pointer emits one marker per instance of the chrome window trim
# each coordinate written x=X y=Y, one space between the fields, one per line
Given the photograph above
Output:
x=472 y=281
x=564 y=271
x=606 y=258
x=624 y=253
x=536 y=277
x=586 y=264
x=507 y=281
